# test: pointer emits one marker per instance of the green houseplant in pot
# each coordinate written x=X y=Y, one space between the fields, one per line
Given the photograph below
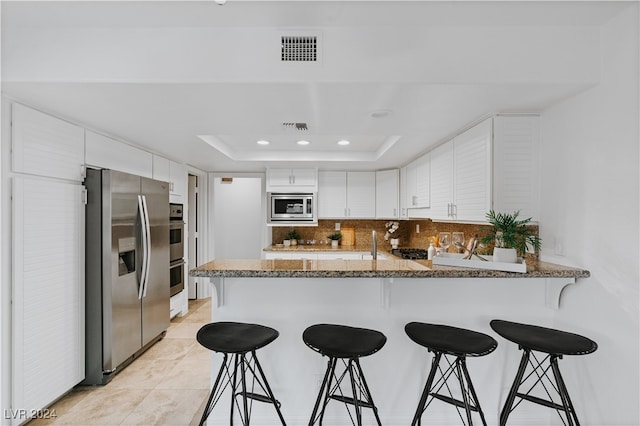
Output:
x=335 y=238
x=511 y=236
x=293 y=237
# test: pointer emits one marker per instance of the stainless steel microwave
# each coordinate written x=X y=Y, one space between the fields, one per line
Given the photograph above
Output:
x=295 y=208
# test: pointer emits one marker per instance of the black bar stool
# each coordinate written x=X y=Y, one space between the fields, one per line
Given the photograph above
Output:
x=553 y=343
x=242 y=340
x=348 y=344
x=443 y=341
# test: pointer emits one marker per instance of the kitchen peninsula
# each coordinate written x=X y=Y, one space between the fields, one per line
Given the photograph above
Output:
x=384 y=294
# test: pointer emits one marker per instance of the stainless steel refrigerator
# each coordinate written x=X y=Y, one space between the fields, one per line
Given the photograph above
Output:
x=127 y=269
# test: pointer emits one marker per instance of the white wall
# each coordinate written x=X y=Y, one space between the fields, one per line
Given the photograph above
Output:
x=590 y=213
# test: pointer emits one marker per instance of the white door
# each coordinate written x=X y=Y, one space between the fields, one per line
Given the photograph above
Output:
x=238 y=218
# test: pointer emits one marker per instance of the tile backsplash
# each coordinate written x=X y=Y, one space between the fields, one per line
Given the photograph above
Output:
x=406 y=232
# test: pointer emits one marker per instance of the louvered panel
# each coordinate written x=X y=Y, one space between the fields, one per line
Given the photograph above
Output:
x=515 y=174
x=441 y=180
x=472 y=176
x=48 y=290
x=46 y=146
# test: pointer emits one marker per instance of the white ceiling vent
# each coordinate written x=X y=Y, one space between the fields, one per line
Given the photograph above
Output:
x=302 y=127
x=299 y=48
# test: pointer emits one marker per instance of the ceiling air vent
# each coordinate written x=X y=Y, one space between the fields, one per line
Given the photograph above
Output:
x=296 y=126
x=299 y=48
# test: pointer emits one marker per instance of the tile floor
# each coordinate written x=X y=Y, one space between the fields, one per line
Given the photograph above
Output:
x=167 y=385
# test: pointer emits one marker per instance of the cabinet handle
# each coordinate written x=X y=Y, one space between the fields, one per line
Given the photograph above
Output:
x=395 y=212
x=414 y=200
x=293 y=180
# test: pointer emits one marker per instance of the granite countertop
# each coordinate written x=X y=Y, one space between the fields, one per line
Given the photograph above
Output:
x=391 y=268
x=318 y=247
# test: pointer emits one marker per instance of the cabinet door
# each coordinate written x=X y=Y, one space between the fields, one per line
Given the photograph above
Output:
x=472 y=173
x=179 y=181
x=332 y=194
x=361 y=195
x=48 y=292
x=107 y=153
x=304 y=177
x=43 y=145
x=515 y=183
x=387 y=194
x=293 y=180
x=418 y=186
x=161 y=169
x=278 y=177
x=441 y=181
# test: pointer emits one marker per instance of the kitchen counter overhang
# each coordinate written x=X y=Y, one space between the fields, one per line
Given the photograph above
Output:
x=391 y=268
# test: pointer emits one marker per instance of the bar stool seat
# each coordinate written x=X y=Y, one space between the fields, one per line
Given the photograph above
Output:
x=241 y=340
x=554 y=343
x=349 y=344
x=443 y=341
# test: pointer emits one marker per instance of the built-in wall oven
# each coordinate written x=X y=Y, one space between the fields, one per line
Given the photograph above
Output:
x=176 y=248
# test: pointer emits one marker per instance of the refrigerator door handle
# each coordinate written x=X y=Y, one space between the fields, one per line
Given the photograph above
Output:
x=145 y=248
x=148 y=252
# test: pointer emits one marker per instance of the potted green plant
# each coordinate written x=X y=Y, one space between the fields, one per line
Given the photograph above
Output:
x=293 y=237
x=335 y=238
x=510 y=236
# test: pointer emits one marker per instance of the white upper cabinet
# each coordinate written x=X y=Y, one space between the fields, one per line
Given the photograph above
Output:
x=292 y=180
x=106 y=153
x=441 y=181
x=346 y=195
x=461 y=176
x=175 y=174
x=161 y=169
x=515 y=170
x=387 y=194
x=418 y=185
x=472 y=173
x=46 y=146
x=179 y=182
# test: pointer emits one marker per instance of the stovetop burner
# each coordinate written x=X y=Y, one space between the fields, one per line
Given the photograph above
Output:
x=411 y=253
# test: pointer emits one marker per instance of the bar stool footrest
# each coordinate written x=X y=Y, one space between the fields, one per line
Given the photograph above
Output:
x=259 y=397
x=452 y=401
x=349 y=400
x=541 y=401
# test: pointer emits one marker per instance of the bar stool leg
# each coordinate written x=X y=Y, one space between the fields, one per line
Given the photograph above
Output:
x=465 y=397
x=427 y=388
x=506 y=410
x=268 y=388
x=323 y=393
x=243 y=383
x=564 y=393
x=208 y=407
x=356 y=403
x=368 y=392
x=472 y=390
x=233 y=386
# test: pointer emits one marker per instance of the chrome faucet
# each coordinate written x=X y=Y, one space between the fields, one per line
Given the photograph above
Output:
x=374 y=245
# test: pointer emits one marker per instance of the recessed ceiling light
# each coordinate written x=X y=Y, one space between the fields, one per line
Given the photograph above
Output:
x=262 y=142
x=303 y=142
x=220 y=2
x=380 y=113
x=343 y=142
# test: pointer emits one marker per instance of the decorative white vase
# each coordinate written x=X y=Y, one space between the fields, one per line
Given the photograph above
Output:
x=505 y=255
x=334 y=243
x=286 y=243
x=294 y=242
x=394 y=243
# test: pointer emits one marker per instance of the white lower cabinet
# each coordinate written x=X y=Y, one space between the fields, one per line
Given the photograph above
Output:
x=322 y=255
